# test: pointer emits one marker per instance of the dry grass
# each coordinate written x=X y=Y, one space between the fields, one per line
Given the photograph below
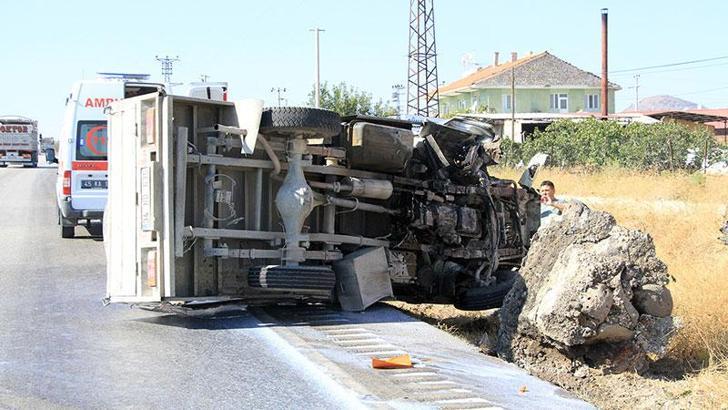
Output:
x=682 y=213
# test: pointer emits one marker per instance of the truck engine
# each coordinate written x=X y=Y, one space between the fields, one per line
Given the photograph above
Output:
x=455 y=231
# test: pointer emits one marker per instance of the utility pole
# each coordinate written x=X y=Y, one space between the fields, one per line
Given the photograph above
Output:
x=279 y=91
x=636 y=92
x=167 y=63
x=396 y=92
x=513 y=103
x=317 y=91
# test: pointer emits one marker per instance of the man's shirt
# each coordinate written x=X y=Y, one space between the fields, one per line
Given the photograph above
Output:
x=549 y=213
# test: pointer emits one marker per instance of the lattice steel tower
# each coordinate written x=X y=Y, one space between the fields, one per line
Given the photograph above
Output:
x=422 y=96
x=167 y=63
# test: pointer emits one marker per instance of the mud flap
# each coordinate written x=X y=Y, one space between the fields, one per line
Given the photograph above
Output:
x=362 y=279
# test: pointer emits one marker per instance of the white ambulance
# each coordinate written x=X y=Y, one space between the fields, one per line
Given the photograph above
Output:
x=82 y=183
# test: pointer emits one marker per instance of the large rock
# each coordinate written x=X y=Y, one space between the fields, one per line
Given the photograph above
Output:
x=590 y=293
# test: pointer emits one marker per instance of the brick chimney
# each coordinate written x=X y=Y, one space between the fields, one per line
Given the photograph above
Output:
x=495 y=58
x=514 y=56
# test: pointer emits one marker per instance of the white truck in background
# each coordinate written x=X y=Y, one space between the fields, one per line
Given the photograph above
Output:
x=18 y=141
x=82 y=184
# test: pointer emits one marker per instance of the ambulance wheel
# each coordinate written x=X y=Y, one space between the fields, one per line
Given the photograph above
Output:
x=68 y=231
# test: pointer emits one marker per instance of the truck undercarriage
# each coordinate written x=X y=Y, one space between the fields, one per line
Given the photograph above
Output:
x=312 y=207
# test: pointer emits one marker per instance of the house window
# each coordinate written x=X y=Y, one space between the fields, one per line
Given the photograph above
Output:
x=462 y=104
x=507 y=102
x=559 y=102
x=592 y=102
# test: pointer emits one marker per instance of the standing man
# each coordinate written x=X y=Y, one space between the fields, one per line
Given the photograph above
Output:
x=551 y=206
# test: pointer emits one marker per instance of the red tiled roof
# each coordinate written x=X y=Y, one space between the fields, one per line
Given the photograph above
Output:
x=485 y=73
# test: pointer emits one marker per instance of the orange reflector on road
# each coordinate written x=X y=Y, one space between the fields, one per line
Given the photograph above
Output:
x=397 y=362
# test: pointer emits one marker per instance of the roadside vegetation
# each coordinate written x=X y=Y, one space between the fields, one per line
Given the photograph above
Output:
x=594 y=144
x=348 y=100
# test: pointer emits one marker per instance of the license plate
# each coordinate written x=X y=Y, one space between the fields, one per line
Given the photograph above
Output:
x=94 y=184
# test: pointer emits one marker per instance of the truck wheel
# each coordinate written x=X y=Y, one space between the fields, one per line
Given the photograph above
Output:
x=489 y=297
x=68 y=231
x=300 y=120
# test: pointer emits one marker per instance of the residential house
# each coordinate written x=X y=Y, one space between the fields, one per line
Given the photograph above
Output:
x=543 y=83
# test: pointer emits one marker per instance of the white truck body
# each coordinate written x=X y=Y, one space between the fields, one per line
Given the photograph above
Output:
x=18 y=141
x=82 y=184
x=145 y=217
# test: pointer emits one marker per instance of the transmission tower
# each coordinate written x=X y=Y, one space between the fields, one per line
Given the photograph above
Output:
x=167 y=63
x=422 y=96
x=396 y=97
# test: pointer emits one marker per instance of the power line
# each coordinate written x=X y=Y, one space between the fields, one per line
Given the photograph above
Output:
x=704 y=91
x=669 y=65
x=674 y=69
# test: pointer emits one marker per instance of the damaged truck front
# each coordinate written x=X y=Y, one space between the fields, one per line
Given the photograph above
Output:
x=213 y=201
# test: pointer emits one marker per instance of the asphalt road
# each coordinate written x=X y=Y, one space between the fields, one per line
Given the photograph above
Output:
x=60 y=347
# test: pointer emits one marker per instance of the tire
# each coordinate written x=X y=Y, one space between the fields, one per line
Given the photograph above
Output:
x=489 y=297
x=300 y=120
x=68 y=231
x=292 y=277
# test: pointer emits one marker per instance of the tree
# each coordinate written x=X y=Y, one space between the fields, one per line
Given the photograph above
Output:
x=347 y=100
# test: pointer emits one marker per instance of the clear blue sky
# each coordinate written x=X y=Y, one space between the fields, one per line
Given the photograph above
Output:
x=256 y=45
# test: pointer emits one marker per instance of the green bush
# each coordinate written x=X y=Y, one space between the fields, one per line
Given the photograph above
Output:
x=594 y=144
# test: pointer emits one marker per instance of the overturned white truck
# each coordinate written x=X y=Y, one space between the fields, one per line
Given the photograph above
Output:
x=213 y=201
